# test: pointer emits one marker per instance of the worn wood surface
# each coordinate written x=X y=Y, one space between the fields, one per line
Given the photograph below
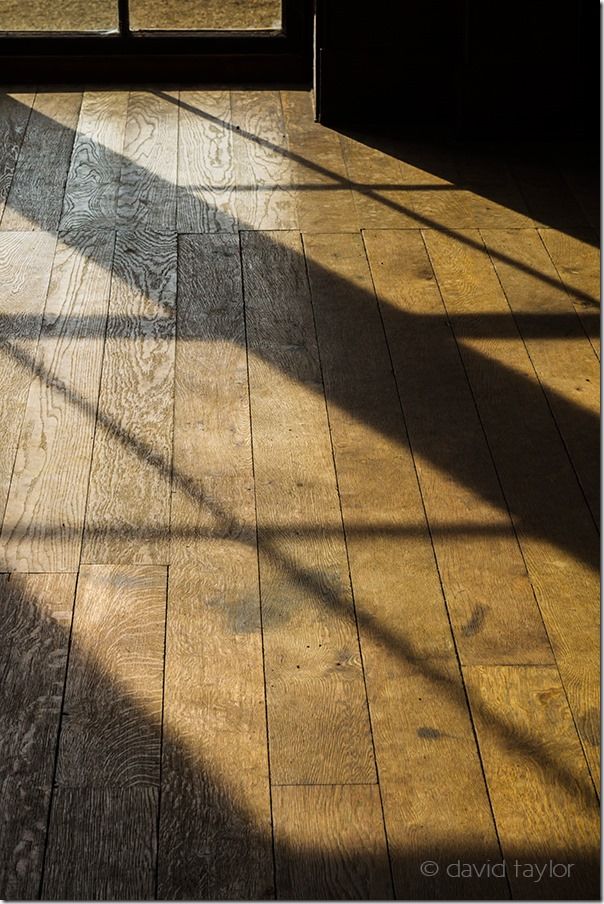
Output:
x=35 y=619
x=25 y=266
x=44 y=518
x=35 y=200
x=324 y=500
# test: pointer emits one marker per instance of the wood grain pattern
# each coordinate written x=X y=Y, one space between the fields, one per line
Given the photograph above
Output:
x=215 y=831
x=94 y=174
x=35 y=619
x=329 y=843
x=15 y=109
x=420 y=721
x=206 y=175
x=110 y=729
x=490 y=600
x=263 y=168
x=35 y=199
x=25 y=266
x=110 y=834
x=543 y=798
x=577 y=261
x=310 y=638
x=105 y=803
x=44 y=516
x=562 y=356
x=323 y=195
x=147 y=191
x=127 y=516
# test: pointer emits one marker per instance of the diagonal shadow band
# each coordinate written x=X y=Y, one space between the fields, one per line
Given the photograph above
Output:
x=226 y=525
x=227 y=853
x=584 y=423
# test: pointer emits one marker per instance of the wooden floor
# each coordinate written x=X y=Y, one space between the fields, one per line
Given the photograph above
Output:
x=299 y=477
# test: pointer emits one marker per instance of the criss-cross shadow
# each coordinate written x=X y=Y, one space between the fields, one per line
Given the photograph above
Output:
x=575 y=535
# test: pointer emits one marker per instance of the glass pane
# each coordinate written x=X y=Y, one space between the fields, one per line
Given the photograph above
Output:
x=59 y=15
x=205 y=15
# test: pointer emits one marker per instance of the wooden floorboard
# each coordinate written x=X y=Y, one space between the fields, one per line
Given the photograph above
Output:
x=299 y=481
x=44 y=518
x=15 y=110
x=309 y=626
x=35 y=200
x=25 y=267
x=215 y=829
x=206 y=178
x=96 y=162
x=35 y=623
x=108 y=769
x=128 y=509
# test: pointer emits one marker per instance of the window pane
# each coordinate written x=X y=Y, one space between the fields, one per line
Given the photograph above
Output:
x=59 y=15
x=205 y=15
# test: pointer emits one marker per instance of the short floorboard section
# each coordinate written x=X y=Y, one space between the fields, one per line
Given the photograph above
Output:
x=330 y=843
x=35 y=621
x=107 y=780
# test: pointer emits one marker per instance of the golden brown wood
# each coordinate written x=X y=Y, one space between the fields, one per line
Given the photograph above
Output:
x=310 y=638
x=577 y=261
x=323 y=196
x=420 y=721
x=44 y=515
x=147 y=192
x=96 y=162
x=561 y=355
x=206 y=176
x=25 y=265
x=557 y=537
x=490 y=600
x=35 y=619
x=329 y=843
x=35 y=199
x=543 y=799
x=263 y=167
x=15 y=109
x=127 y=516
x=215 y=831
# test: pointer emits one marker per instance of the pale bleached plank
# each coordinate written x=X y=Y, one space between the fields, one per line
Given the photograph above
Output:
x=310 y=638
x=35 y=619
x=44 y=516
x=35 y=199
x=127 y=516
x=25 y=266
x=15 y=109
x=147 y=191
x=206 y=175
x=491 y=603
x=215 y=831
x=543 y=799
x=420 y=722
x=94 y=174
x=577 y=261
x=330 y=844
x=264 y=170
x=562 y=357
x=322 y=190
